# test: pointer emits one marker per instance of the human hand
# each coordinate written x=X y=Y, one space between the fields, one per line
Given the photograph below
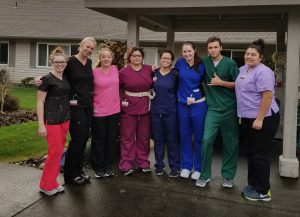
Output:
x=154 y=67
x=215 y=81
x=42 y=131
x=257 y=124
x=38 y=81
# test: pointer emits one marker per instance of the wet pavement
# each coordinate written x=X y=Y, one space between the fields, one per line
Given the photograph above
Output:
x=147 y=195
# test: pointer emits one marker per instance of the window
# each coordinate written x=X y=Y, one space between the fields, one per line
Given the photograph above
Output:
x=3 y=53
x=237 y=55
x=45 y=49
x=151 y=55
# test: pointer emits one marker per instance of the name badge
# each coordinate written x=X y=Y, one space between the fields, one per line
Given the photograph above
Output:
x=73 y=102
x=190 y=100
x=124 y=103
x=195 y=91
x=154 y=79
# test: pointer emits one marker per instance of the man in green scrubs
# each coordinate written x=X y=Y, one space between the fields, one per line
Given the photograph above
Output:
x=221 y=73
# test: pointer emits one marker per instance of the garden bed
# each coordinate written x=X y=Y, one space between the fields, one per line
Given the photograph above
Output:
x=17 y=117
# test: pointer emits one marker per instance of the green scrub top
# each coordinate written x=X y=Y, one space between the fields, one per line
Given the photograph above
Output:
x=220 y=98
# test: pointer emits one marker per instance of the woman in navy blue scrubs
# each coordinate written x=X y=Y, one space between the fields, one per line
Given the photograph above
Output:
x=163 y=115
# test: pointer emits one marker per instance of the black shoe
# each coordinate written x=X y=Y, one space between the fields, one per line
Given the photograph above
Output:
x=77 y=180
x=146 y=170
x=173 y=174
x=85 y=176
x=99 y=174
x=159 y=172
x=109 y=173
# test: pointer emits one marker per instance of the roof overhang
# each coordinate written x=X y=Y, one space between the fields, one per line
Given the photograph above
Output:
x=203 y=16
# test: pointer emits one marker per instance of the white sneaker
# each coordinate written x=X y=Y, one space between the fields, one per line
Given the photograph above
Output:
x=185 y=173
x=195 y=175
x=49 y=193
x=60 y=189
x=201 y=182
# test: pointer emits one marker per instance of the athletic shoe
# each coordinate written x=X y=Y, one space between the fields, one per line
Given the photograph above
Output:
x=159 y=172
x=195 y=175
x=247 y=188
x=85 y=176
x=49 y=193
x=201 y=182
x=60 y=189
x=146 y=170
x=227 y=183
x=109 y=173
x=173 y=174
x=253 y=195
x=99 y=174
x=185 y=173
x=128 y=172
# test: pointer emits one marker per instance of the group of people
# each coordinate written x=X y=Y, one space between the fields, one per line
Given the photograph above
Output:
x=184 y=106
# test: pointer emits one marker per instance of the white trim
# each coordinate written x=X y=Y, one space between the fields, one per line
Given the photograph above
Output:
x=6 y=42
x=47 y=57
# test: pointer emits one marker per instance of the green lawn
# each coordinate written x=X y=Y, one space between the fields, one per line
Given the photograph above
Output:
x=26 y=95
x=21 y=141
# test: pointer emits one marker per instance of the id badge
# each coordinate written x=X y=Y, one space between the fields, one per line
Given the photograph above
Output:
x=154 y=78
x=125 y=103
x=73 y=102
x=190 y=100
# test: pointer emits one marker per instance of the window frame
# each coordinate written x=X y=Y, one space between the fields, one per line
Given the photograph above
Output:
x=5 y=42
x=51 y=44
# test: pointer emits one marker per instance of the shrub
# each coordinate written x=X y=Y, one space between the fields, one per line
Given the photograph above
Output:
x=11 y=103
x=27 y=82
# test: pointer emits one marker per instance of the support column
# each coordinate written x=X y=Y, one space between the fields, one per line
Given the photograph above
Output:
x=133 y=29
x=288 y=162
x=170 y=39
x=280 y=41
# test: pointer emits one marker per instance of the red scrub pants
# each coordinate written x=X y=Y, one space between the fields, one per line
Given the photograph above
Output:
x=56 y=139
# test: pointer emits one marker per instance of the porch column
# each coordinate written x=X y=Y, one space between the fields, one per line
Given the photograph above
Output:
x=170 y=39
x=280 y=41
x=288 y=162
x=133 y=29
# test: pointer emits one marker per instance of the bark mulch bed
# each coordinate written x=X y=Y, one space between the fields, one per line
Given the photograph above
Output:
x=16 y=117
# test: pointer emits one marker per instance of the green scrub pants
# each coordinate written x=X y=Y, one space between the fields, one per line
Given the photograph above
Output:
x=227 y=122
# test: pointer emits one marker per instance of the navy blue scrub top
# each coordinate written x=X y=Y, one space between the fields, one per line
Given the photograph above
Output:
x=165 y=88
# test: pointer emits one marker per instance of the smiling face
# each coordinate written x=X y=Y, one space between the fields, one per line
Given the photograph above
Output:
x=166 y=60
x=252 y=57
x=214 y=50
x=136 y=58
x=59 y=63
x=87 y=48
x=188 y=52
x=105 y=58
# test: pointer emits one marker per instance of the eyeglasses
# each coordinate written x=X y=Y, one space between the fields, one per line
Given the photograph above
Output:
x=59 y=62
x=134 y=56
x=166 y=58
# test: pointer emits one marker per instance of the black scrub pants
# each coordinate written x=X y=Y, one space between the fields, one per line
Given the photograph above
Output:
x=80 y=125
x=259 y=143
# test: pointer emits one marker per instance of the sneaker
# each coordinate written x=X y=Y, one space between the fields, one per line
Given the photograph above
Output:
x=49 y=193
x=60 y=189
x=99 y=174
x=146 y=170
x=159 y=172
x=128 y=172
x=109 y=173
x=185 y=173
x=227 y=183
x=195 y=175
x=85 y=176
x=201 y=182
x=173 y=174
x=253 y=195
x=247 y=188
x=79 y=180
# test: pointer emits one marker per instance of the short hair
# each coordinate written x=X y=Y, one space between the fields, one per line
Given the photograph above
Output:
x=214 y=39
x=136 y=49
x=98 y=64
x=167 y=51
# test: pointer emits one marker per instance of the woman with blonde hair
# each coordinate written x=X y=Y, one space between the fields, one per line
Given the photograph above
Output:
x=79 y=73
x=53 y=112
x=105 y=125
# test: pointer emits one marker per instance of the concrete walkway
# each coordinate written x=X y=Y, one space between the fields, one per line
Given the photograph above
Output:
x=146 y=195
